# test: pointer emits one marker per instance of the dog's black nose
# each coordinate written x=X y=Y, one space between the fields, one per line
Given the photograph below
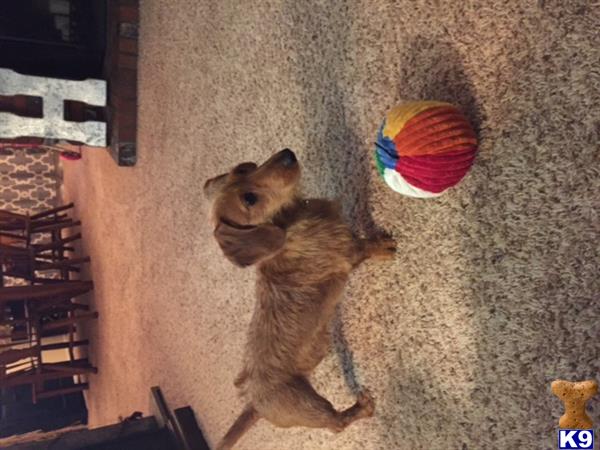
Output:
x=288 y=157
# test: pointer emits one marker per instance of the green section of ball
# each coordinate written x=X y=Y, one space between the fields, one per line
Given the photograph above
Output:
x=379 y=164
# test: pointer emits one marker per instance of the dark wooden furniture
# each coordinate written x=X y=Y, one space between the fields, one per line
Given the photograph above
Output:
x=23 y=227
x=139 y=434
x=44 y=292
x=31 y=264
x=120 y=70
x=103 y=45
x=33 y=245
x=18 y=414
x=22 y=351
x=165 y=430
x=181 y=423
x=37 y=38
x=44 y=306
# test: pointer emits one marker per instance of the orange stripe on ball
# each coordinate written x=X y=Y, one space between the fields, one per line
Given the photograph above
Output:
x=434 y=131
x=440 y=142
x=431 y=112
x=422 y=123
x=413 y=139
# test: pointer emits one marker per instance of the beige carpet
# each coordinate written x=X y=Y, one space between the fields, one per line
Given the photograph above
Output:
x=495 y=289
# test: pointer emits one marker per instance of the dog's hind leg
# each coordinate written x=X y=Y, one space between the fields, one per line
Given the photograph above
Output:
x=247 y=418
x=298 y=404
x=377 y=248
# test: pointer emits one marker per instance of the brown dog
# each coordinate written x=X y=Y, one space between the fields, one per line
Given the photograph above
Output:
x=304 y=253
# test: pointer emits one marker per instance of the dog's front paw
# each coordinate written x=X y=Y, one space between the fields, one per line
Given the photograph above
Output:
x=383 y=248
x=366 y=402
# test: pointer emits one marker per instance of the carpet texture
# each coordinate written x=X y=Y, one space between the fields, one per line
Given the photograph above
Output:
x=495 y=289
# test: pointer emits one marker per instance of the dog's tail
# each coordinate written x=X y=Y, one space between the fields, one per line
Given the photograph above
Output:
x=244 y=422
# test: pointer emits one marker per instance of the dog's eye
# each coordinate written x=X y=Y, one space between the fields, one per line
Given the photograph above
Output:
x=250 y=198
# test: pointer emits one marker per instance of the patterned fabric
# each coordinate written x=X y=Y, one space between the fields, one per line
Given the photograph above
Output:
x=29 y=179
x=29 y=182
x=424 y=148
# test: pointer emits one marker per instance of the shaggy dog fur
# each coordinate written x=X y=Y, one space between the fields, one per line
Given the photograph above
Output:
x=304 y=253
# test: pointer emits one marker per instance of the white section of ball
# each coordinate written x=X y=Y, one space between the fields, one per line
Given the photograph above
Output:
x=400 y=185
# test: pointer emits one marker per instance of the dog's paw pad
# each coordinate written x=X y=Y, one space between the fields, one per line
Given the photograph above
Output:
x=385 y=249
x=389 y=244
x=366 y=402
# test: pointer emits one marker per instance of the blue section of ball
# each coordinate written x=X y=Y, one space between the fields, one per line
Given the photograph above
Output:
x=386 y=150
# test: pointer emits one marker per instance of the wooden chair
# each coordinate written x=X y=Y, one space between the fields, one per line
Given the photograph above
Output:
x=59 y=244
x=21 y=365
x=34 y=372
x=40 y=312
x=45 y=307
x=22 y=227
x=44 y=293
x=28 y=262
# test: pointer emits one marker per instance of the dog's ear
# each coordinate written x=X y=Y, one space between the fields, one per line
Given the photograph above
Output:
x=245 y=246
x=214 y=185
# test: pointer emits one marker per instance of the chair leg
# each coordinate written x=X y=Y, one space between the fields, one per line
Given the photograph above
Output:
x=14 y=355
x=49 y=257
x=16 y=237
x=49 y=212
x=51 y=333
x=36 y=225
x=33 y=378
x=79 y=306
x=63 y=391
x=64 y=271
x=73 y=237
x=61 y=323
x=56 y=226
x=17 y=337
x=45 y=292
x=77 y=367
x=57 y=244
x=58 y=307
x=43 y=280
x=68 y=262
x=61 y=345
x=56 y=250
x=61 y=305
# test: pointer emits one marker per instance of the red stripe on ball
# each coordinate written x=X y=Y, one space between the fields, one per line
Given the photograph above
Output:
x=436 y=173
x=434 y=131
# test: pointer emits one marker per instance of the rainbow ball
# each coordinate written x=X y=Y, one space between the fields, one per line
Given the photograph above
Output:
x=424 y=148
